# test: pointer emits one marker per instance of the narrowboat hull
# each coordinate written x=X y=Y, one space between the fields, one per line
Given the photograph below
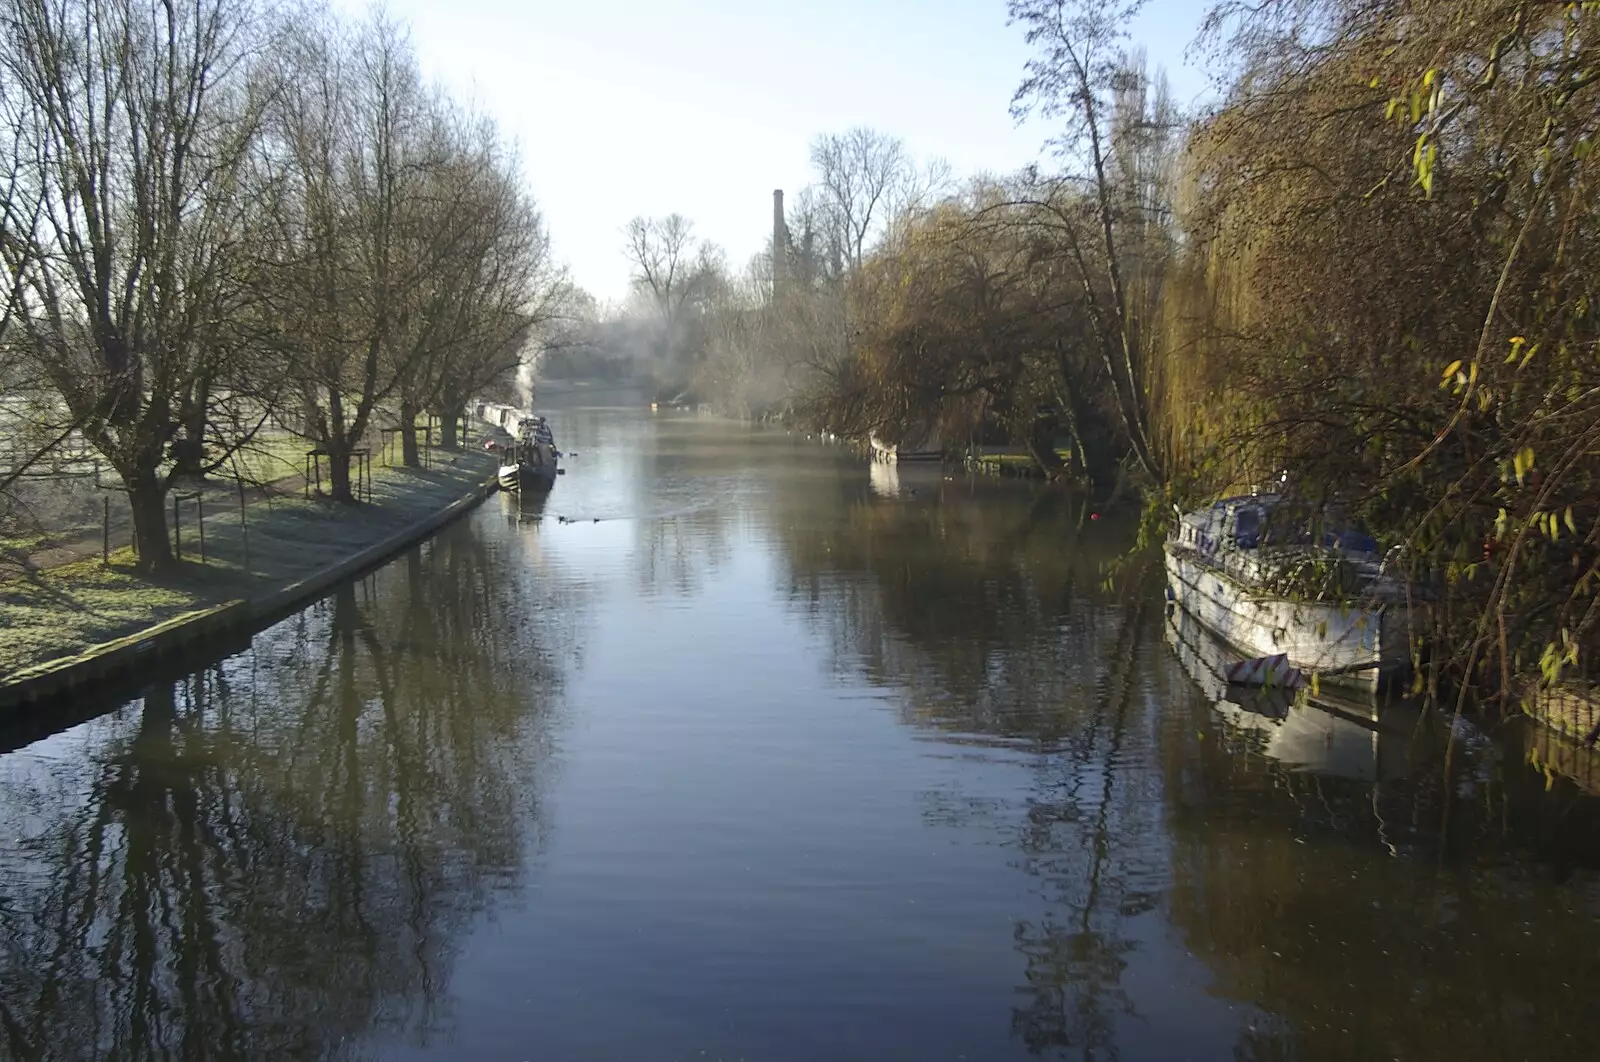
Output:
x=527 y=477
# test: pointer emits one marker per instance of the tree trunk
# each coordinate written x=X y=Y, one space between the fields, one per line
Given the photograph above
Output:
x=408 y=435
x=339 y=473
x=449 y=423
x=1041 y=445
x=147 y=501
x=190 y=453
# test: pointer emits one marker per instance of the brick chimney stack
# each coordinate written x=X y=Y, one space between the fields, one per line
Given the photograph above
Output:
x=780 y=242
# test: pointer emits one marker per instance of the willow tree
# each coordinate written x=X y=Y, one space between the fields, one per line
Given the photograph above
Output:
x=1395 y=209
x=132 y=121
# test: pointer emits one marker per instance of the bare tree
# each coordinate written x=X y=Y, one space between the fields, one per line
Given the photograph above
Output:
x=27 y=417
x=508 y=293
x=667 y=262
x=672 y=272
x=481 y=276
x=351 y=126
x=859 y=174
x=135 y=127
x=1079 y=65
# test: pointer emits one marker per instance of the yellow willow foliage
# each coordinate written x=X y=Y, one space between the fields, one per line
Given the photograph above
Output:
x=1387 y=279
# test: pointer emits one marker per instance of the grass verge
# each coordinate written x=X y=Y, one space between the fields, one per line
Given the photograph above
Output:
x=55 y=612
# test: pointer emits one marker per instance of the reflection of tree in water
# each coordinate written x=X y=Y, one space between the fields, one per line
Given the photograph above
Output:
x=992 y=617
x=676 y=552
x=277 y=853
x=1369 y=922
x=1093 y=838
x=972 y=603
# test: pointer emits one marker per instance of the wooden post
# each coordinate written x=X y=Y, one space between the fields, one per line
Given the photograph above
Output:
x=244 y=529
x=177 y=533
x=105 y=527
x=200 y=519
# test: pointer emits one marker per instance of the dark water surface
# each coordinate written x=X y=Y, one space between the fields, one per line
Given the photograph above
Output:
x=768 y=755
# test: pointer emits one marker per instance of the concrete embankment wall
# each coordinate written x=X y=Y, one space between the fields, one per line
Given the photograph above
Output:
x=41 y=688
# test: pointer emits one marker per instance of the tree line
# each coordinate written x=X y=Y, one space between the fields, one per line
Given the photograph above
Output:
x=221 y=216
x=1369 y=270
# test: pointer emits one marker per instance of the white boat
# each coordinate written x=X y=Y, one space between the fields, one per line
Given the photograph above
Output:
x=1230 y=567
x=925 y=447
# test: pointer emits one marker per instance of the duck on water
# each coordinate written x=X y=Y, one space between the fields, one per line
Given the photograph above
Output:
x=1293 y=601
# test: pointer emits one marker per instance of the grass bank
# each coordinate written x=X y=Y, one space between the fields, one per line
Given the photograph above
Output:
x=49 y=613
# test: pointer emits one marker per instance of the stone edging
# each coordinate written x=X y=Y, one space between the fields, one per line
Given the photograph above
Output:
x=112 y=659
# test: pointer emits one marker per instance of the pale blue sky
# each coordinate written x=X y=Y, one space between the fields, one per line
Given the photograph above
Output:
x=703 y=107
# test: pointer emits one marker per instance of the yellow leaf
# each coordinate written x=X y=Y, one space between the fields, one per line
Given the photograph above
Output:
x=1450 y=370
x=1572 y=524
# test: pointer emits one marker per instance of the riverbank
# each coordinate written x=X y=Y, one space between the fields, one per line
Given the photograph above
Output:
x=85 y=620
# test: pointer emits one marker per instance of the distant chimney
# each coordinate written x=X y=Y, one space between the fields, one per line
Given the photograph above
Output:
x=780 y=242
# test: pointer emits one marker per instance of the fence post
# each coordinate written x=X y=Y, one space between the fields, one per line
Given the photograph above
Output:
x=244 y=529
x=177 y=530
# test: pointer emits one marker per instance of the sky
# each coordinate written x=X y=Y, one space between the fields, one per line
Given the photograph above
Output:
x=704 y=107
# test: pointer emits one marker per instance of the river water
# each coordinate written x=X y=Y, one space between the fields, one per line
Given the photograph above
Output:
x=741 y=749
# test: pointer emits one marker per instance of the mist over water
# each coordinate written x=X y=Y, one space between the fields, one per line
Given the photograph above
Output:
x=736 y=747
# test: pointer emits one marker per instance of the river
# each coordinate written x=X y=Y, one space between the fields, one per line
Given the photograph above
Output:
x=741 y=749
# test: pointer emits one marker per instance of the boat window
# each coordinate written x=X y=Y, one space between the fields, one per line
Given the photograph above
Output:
x=1247 y=527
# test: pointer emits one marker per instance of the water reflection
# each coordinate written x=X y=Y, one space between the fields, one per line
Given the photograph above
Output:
x=986 y=606
x=986 y=603
x=1321 y=733
x=1297 y=846
x=732 y=746
x=279 y=853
